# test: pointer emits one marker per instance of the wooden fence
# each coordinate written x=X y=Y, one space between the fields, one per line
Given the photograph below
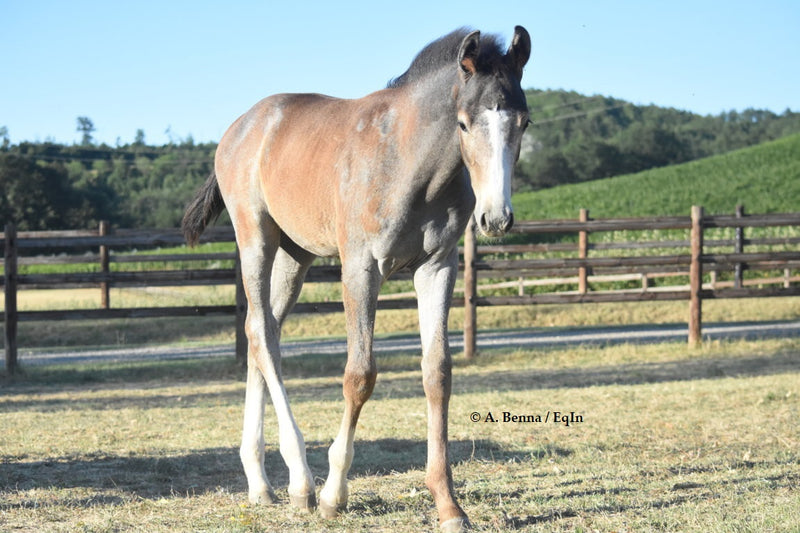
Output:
x=690 y=260
x=583 y=266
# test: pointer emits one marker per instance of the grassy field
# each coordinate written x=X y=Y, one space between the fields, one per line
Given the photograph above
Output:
x=668 y=439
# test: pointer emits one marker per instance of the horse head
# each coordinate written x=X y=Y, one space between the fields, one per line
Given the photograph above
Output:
x=492 y=115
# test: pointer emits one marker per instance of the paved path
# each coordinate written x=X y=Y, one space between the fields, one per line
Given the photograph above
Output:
x=534 y=338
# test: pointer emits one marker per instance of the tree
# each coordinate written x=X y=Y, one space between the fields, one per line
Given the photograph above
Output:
x=4 y=137
x=85 y=127
x=34 y=197
x=647 y=146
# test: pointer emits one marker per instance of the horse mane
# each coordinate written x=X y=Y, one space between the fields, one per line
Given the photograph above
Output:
x=443 y=52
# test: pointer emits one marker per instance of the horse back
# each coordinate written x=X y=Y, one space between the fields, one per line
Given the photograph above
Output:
x=319 y=166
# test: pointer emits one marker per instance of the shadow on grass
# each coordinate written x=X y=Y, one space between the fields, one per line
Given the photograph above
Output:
x=215 y=469
x=156 y=400
x=115 y=480
x=629 y=373
x=680 y=494
x=143 y=476
x=128 y=331
x=390 y=385
x=113 y=374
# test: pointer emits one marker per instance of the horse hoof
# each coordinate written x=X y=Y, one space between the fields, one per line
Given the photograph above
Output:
x=331 y=511
x=263 y=498
x=455 y=525
x=307 y=501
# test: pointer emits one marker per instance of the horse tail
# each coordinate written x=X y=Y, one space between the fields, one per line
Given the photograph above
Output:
x=204 y=209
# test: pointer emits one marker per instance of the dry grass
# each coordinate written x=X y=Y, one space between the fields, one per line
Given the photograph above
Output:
x=57 y=299
x=671 y=440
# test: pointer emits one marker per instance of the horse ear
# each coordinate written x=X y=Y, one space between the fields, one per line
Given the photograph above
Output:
x=468 y=54
x=520 y=50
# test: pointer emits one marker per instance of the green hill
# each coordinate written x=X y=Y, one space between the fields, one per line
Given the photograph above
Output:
x=764 y=178
x=575 y=138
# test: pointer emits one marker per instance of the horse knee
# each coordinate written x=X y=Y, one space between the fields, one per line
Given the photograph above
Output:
x=437 y=378
x=358 y=383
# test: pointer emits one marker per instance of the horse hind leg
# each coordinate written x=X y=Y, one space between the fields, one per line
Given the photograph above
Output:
x=254 y=257
x=288 y=273
x=259 y=255
x=251 y=451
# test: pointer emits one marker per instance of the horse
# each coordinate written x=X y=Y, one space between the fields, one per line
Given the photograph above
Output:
x=387 y=181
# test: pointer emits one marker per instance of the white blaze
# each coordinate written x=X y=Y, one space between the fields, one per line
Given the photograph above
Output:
x=500 y=164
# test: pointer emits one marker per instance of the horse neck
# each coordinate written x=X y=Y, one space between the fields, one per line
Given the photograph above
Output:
x=436 y=146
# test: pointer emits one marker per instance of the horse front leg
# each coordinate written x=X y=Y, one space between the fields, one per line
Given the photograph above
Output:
x=360 y=287
x=434 y=285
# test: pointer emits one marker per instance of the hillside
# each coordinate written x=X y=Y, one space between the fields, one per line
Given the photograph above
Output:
x=764 y=178
x=575 y=138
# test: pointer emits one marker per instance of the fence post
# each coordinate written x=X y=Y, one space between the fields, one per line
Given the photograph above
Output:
x=583 y=246
x=241 y=314
x=10 y=289
x=105 y=301
x=470 y=290
x=696 y=277
x=738 y=248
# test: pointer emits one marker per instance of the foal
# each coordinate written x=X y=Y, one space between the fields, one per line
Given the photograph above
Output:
x=385 y=182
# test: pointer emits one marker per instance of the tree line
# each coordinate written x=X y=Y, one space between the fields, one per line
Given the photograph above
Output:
x=573 y=138
x=55 y=186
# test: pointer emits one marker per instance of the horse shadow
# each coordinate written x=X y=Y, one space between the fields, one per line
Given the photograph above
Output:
x=211 y=470
x=114 y=479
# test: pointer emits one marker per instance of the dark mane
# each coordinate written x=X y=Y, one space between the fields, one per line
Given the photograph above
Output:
x=444 y=51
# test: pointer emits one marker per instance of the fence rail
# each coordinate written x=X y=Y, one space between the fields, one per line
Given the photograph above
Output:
x=524 y=266
x=692 y=262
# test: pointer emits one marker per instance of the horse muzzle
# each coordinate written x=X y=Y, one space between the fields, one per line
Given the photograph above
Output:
x=495 y=224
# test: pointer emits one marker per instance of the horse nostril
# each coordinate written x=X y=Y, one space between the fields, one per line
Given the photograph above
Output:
x=483 y=224
x=509 y=223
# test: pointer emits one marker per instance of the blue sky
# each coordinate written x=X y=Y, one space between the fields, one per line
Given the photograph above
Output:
x=177 y=69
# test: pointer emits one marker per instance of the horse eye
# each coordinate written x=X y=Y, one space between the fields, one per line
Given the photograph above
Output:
x=462 y=126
